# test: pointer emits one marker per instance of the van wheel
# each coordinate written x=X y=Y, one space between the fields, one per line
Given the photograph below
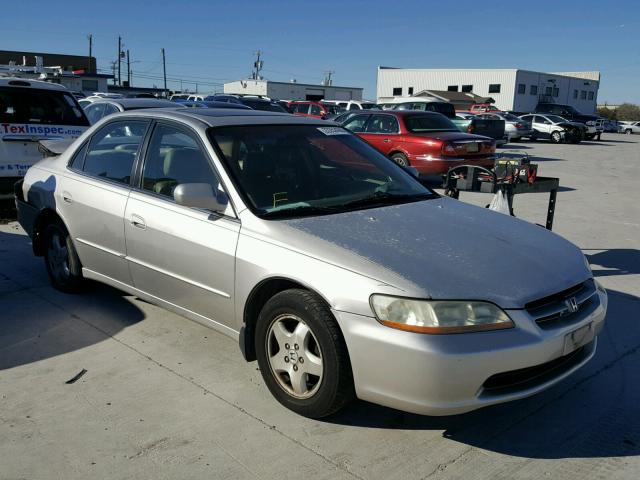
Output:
x=302 y=355
x=61 y=259
x=400 y=159
x=556 y=137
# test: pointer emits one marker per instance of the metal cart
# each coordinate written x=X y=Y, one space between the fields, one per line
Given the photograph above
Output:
x=470 y=178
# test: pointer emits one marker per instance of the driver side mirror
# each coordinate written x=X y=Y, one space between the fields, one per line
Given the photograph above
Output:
x=200 y=195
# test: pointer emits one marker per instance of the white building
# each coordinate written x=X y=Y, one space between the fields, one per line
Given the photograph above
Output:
x=512 y=89
x=292 y=90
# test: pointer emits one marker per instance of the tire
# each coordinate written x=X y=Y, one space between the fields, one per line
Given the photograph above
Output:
x=589 y=137
x=400 y=159
x=533 y=137
x=325 y=382
x=628 y=131
x=61 y=259
x=556 y=137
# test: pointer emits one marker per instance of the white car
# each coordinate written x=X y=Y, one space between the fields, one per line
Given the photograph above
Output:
x=353 y=104
x=629 y=127
x=555 y=128
x=31 y=111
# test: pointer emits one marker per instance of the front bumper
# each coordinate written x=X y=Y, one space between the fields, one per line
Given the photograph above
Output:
x=448 y=374
x=429 y=165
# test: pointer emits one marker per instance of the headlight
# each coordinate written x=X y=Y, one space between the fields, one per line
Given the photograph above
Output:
x=438 y=316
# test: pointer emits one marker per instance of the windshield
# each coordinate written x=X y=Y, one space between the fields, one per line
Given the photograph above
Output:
x=510 y=117
x=369 y=106
x=30 y=105
x=556 y=119
x=264 y=106
x=429 y=123
x=286 y=171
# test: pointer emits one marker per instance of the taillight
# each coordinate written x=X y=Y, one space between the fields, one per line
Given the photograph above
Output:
x=448 y=148
x=470 y=128
x=519 y=125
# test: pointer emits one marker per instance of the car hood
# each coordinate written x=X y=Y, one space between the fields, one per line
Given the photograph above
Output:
x=443 y=249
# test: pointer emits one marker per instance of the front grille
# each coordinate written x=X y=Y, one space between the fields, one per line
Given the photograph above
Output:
x=556 y=310
x=524 y=378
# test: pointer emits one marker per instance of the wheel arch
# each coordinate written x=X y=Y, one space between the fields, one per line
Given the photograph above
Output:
x=45 y=217
x=397 y=150
x=258 y=297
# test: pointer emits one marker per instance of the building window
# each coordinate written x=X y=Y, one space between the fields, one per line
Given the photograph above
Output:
x=533 y=90
x=556 y=91
x=590 y=95
x=575 y=94
x=494 y=88
x=467 y=88
x=548 y=91
x=397 y=92
x=452 y=88
x=410 y=90
x=583 y=94
x=522 y=89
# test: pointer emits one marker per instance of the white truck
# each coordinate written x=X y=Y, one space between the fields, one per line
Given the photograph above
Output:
x=31 y=111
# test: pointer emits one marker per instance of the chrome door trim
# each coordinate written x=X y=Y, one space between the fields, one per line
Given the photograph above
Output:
x=178 y=277
x=99 y=247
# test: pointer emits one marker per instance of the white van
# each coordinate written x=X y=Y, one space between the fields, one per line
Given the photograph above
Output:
x=353 y=104
x=31 y=111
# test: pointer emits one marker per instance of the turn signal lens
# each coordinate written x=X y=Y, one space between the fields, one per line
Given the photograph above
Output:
x=438 y=317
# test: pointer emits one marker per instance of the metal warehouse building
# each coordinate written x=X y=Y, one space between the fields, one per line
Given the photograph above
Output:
x=292 y=90
x=511 y=89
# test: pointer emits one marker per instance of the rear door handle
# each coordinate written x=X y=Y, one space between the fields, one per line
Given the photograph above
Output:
x=386 y=140
x=66 y=196
x=138 y=221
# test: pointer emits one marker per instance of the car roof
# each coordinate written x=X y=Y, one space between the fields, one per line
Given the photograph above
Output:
x=28 y=83
x=217 y=117
x=136 y=103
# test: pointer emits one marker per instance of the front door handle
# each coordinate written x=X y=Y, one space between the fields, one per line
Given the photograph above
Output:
x=386 y=140
x=66 y=196
x=138 y=221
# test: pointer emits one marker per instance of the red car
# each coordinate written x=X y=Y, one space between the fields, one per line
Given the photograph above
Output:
x=314 y=109
x=428 y=141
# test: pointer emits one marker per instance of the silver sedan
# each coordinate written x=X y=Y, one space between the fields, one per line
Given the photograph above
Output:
x=332 y=266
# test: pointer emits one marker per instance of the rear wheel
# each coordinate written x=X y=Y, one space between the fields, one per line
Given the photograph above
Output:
x=400 y=159
x=302 y=354
x=63 y=265
x=556 y=137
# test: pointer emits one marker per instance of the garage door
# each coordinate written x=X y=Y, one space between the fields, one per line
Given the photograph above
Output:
x=314 y=94
x=343 y=95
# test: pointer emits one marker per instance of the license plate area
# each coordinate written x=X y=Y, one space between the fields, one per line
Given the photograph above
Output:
x=472 y=147
x=578 y=338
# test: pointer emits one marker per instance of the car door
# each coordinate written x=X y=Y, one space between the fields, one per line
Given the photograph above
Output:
x=92 y=197
x=315 y=111
x=181 y=255
x=301 y=109
x=383 y=132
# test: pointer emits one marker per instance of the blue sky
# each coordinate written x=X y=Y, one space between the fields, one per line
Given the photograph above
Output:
x=211 y=42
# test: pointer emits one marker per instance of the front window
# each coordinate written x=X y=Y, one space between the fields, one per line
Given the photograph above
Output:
x=556 y=119
x=429 y=123
x=286 y=171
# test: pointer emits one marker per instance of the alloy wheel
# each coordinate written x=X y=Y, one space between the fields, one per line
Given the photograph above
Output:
x=58 y=256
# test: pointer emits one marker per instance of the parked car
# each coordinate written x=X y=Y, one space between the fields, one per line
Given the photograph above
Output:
x=555 y=128
x=571 y=114
x=315 y=109
x=31 y=111
x=207 y=104
x=611 y=126
x=515 y=127
x=629 y=127
x=179 y=96
x=253 y=102
x=490 y=128
x=483 y=108
x=427 y=141
x=354 y=104
x=101 y=108
x=334 y=268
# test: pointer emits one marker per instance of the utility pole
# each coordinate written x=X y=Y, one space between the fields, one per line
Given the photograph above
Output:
x=119 y=59
x=90 y=70
x=113 y=71
x=128 y=69
x=164 y=72
x=257 y=66
x=327 y=79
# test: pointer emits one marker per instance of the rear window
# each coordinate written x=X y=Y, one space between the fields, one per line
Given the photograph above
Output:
x=444 y=108
x=429 y=123
x=47 y=107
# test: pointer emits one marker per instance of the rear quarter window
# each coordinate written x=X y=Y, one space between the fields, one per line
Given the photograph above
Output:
x=34 y=106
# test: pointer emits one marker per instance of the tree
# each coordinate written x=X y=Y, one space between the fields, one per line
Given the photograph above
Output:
x=607 y=113
x=628 y=111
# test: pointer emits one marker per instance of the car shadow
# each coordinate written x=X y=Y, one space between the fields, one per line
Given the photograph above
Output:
x=38 y=322
x=594 y=413
x=615 y=261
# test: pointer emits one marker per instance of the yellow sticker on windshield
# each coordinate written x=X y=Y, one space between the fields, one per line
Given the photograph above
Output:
x=279 y=197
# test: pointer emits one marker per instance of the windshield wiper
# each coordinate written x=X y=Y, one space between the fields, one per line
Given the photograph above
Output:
x=299 y=211
x=386 y=198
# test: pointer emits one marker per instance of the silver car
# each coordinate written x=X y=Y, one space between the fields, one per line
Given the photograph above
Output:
x=515 y=127
x=329 y=264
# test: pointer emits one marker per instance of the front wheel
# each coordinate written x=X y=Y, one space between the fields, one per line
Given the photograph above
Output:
x=556 y=137
x=63 y=265
x=400 y=159
x=628 y=131
x=302 y=354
